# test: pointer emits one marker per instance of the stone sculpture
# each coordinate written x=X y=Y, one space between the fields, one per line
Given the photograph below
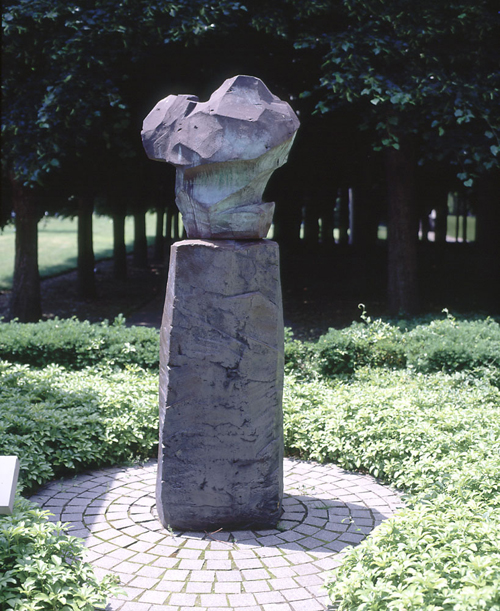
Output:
x=221 y=347
x=225 y=151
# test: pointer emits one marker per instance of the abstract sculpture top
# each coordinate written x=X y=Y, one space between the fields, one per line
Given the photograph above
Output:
x=225 y=151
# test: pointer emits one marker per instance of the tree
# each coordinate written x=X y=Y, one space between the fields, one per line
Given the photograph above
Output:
x=62 y=82
x=426 y=86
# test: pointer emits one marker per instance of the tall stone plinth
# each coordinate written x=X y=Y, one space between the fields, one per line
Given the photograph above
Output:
x=221 y=382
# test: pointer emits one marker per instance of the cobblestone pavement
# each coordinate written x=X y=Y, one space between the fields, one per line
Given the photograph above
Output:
x=326 y=510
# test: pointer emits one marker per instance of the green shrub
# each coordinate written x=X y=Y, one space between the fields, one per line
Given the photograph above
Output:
x=442 y=554
x=59 y=421
x=451 y=345
x=75 y=344
x=375 y=343
x=299 y=356
x=42 y=568
x=436 y=436
x=413 y=430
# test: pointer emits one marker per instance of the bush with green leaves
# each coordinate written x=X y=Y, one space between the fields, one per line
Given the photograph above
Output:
x=77 y=344
x=370 y=342
x=431 y=345
x=452 y=345
x=42 y=568
x=299 y=356
x=58 y=421
x=436 y=436
x=432 y=430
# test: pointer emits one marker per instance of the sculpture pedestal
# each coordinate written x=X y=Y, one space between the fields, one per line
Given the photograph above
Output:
x=221 y=381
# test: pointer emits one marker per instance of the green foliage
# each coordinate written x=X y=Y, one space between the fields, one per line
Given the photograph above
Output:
x=72 y=62
x=375 y=343
x=432 y=430
x=450 y=345
x=436 y=436
x=443 y=554
x=431 y=345
x=42 y=568
x=57 y=421
x=416 y=431
x=431 y=73
x=74 y=344
x=299 y=356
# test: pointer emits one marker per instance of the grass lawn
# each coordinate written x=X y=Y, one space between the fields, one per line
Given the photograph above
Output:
x=57 y=246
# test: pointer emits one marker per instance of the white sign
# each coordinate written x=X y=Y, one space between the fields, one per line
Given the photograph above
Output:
x=9 y=472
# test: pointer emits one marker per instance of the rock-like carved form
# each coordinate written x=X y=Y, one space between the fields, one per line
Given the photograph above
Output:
x=225 y=151
x=221 y=381
x=221 y=351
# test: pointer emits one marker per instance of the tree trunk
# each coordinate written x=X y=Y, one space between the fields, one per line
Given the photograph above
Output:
x=159 y=250
x=86 y=260
x=287 y=221
x=326 y=210
x=119 y=246
x=441 y=220
x=140 y=240
x=311 y=226
x=464 y=219
x=175 y=224
x=25 y=300
x=402 y=229
x=488 y=214
x=343 y=215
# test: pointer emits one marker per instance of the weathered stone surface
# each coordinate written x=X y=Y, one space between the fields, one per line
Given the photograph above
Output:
x=225 y=151
x=221 y=381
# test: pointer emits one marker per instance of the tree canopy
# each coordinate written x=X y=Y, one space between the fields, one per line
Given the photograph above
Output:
x=64 y=68
x=430 y=70
x=78 y=78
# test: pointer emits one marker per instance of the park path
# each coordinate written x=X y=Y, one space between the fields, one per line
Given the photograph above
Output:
x=326 y=508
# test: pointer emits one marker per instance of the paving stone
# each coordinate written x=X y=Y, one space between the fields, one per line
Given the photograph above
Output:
x=212 y=600
x=241 y=600
x=218 y=565
x=154 y=597
x=265 y=598
x=283 y=572
x=248 y=563
x=130 y=593
x=257 y=586
x=144 y=558
x=229 y=576
x=135 y=606
x=170 y=586
x=309 y=580
x=295 y=594
x=216 y=555
x=307 y=605
x=176 y=575
x=199 y=587
x=123 y=541
x=275 y=561
x=143 y=546
x=150 y=571
x=282 y=584
x=203 y=576
x=276 y=570
x=251 y=574
x=196 y=565
x=166 y=563
x=144 y=583
x=183 y=599
x=229 y=587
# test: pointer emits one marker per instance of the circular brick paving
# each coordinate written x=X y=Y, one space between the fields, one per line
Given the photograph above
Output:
x=113 y=510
